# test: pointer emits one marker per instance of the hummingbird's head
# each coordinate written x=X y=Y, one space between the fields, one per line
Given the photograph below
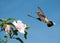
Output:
x=50 y=23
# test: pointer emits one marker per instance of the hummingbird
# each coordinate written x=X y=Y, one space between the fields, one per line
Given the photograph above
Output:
x=43 y=18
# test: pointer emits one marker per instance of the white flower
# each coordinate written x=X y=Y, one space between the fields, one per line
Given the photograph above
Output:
x=19 y=26
x=7 y=28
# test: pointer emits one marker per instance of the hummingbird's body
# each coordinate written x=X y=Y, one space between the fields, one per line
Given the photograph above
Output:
x=43 y=18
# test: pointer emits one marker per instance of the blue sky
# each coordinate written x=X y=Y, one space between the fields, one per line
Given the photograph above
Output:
x=38 y=31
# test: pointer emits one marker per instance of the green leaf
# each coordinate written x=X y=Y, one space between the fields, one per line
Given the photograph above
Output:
x=10 y=24
x=15 y=32
x=12 y=28
x=4 y=21
x=7 y=38
x=27 y=26
x=1 y=29
x=2 y=41
x=25 y=35
x=10 y=19
x=1 y=20
x=1 y=24
x=10 y=34
x=19 y=40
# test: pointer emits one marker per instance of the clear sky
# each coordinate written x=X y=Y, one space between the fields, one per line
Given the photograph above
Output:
x=38 y=31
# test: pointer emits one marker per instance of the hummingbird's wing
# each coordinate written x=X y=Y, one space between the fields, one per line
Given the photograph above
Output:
x=41 y=14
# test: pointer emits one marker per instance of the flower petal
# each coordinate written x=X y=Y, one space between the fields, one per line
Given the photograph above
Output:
x=19 y=26
x=7 y=28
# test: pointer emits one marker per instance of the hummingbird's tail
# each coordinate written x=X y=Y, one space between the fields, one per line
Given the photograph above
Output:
x=50 y=23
